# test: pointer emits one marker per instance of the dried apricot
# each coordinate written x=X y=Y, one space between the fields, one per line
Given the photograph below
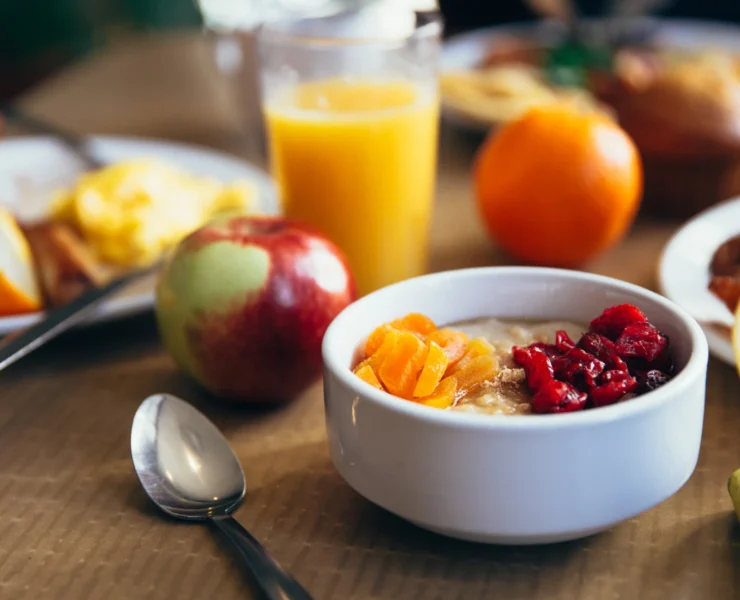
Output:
x=389 y=343
x=400 y=369
x=367 y=374
x=444 y=396
x=476 y=347
x=413 y=322
x=416 y=323
x=479 y=370
x=434 y=369
x=375 y=339
x=454 y=343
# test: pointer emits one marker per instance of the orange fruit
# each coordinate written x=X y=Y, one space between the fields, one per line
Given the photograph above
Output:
x=558 y=185
x=19 y=291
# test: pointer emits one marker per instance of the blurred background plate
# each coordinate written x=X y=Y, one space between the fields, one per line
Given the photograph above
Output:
x=683 y=272
x=467 y=50
x=33 y=168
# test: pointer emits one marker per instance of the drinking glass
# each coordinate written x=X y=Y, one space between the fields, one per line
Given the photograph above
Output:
x=352 y=113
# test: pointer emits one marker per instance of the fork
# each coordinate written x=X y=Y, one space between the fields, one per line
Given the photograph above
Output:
x=77 y=143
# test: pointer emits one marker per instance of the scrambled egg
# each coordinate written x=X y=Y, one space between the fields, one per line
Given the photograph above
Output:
x=131 y=212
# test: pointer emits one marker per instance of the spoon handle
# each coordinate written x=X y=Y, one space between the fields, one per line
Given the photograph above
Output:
x=269 y=575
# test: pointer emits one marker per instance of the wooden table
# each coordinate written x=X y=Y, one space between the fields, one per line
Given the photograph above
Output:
x=75 y=524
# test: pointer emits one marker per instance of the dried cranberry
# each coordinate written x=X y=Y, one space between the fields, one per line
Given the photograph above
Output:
x=614 y=363
x=558 y=397
x=579 y=368
x=603 y=349
x=613 y=320
x=641 y=340
x=664 y=362
x=520 y=356
x=550 y=349
x=536 y=365
x=559 y=365
x=651 y=380
x=563 y=341
x=622 y=355
x=614 y=390
x=613 y=375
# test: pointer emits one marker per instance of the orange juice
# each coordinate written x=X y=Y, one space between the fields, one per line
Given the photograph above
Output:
x=357 y=160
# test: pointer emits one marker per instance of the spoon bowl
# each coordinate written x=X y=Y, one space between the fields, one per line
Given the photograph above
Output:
x=183 y=461
x=188 y=469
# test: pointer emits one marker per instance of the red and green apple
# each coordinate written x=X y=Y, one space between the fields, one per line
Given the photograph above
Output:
x=242 y=305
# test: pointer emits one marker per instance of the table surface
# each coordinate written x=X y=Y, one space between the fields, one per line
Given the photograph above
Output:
x=76 y=525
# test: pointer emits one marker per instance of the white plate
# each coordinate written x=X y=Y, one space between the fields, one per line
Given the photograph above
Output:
x=466 y=50
x=32 y=168
x=683 y=271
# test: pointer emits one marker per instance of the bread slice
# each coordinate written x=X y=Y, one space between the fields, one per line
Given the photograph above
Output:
x=65 y=265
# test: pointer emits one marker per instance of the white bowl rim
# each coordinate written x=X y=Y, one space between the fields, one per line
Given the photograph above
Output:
x=653 y=400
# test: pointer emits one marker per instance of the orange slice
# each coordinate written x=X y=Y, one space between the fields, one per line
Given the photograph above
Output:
x=19 y=290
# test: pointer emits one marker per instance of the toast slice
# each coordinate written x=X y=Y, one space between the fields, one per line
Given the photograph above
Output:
x=65 y=265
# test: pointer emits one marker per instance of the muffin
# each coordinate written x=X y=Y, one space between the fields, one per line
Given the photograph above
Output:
x=683 y=111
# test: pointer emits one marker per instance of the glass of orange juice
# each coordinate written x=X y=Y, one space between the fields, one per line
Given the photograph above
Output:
x=352 y=112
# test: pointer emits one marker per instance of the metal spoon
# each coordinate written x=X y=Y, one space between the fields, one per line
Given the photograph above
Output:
x=189 y=470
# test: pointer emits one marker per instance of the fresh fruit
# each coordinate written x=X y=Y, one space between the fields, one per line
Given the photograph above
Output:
x=19 y=289
x=558 y=185
x=242 y=305
x=597 y=371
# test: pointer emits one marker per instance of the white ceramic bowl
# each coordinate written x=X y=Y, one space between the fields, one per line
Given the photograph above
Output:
x=513 y=479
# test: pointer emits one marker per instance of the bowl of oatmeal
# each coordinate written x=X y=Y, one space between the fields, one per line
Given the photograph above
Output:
x=514 y=405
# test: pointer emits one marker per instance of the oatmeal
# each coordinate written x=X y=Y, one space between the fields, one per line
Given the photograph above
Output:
x=507 y=393
x=509 y=367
